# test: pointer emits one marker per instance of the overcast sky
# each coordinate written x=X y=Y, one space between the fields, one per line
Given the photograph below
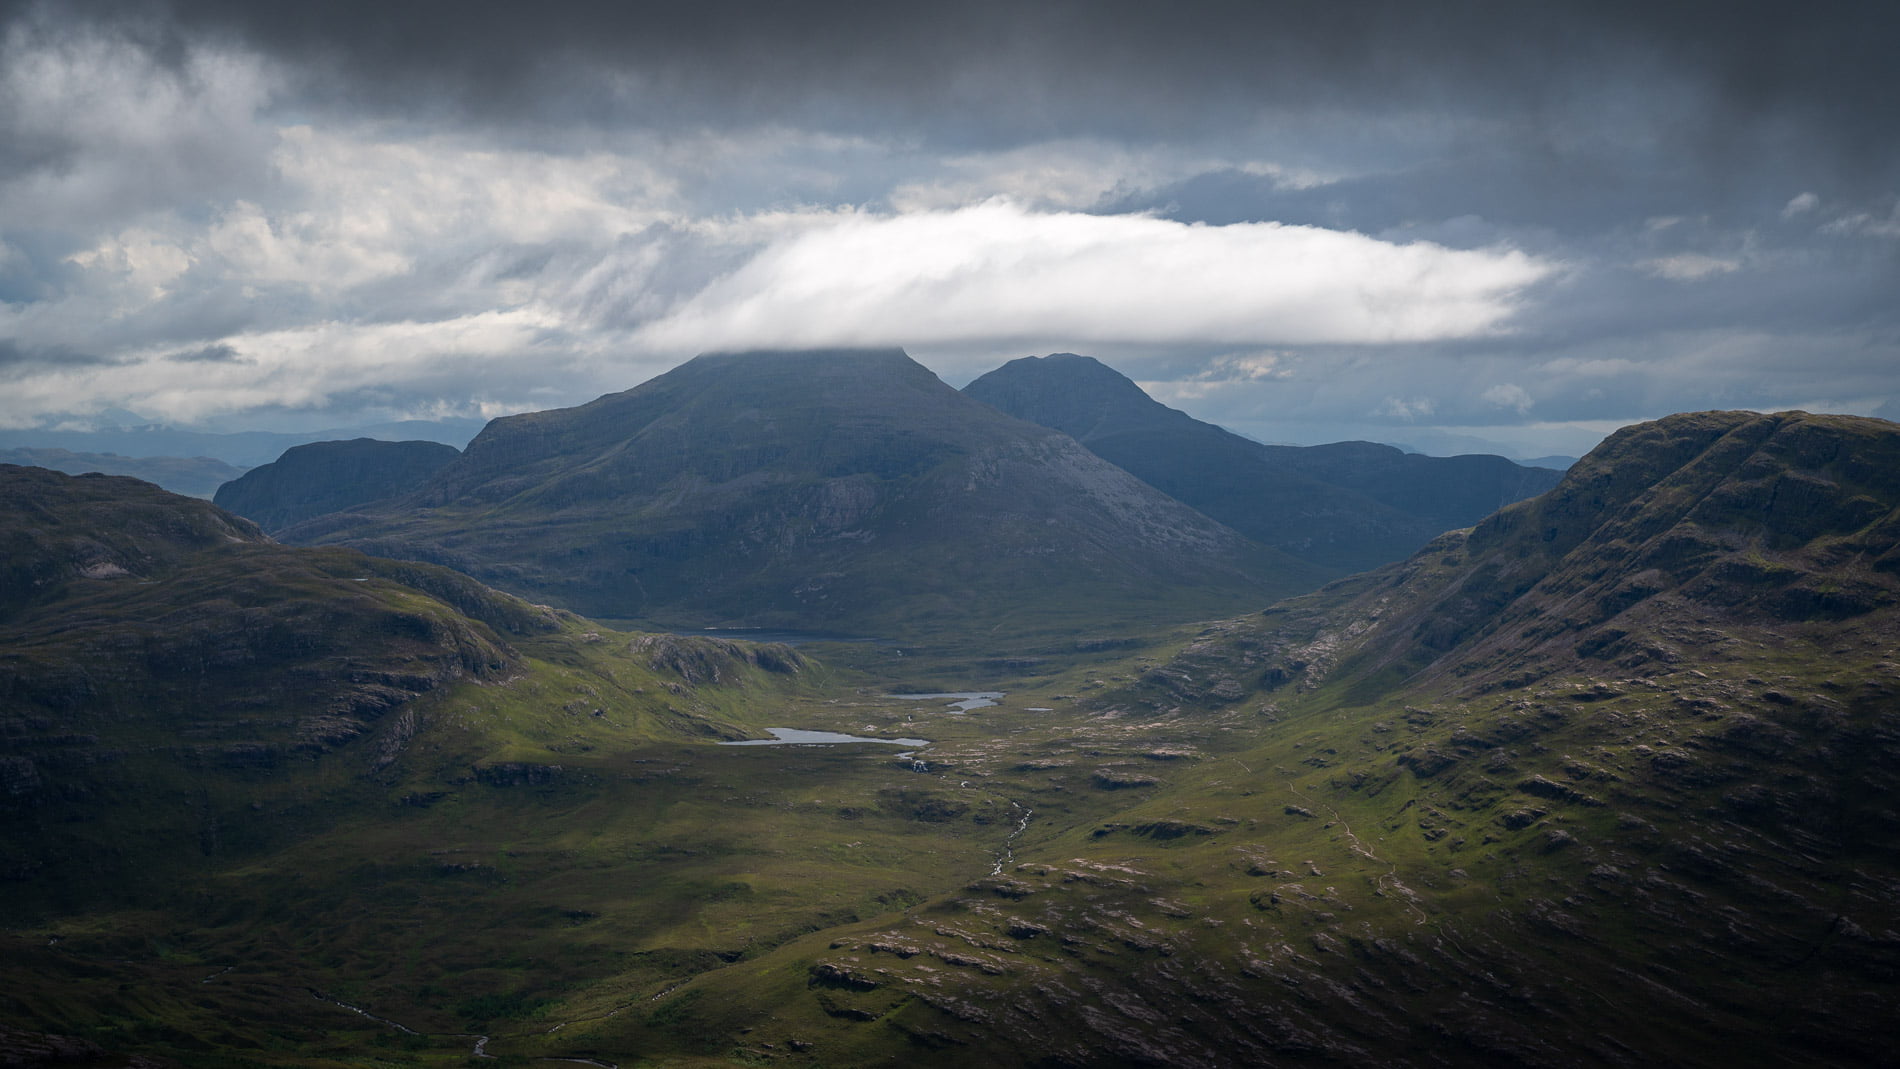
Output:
x=1499 y=224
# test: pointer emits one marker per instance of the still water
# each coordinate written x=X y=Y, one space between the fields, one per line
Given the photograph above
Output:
x=801 y=737
x=960 y=701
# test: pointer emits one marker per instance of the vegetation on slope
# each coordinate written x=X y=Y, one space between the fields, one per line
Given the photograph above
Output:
x=1603 y=781
x=179 y=691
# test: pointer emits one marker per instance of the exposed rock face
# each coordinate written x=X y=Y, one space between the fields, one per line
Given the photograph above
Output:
x=322 y=477
x=697 y=660
x=1347 y=506
x=840 y=490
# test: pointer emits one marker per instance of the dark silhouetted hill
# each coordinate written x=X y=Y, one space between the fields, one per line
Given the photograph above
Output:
x=1345 y=507
x=310 y=480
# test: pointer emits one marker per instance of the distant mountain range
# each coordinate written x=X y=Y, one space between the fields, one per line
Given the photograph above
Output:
x=844 y=490
x=194 y=476
x=240 y=449
x=852 y=490
x=1346 y=507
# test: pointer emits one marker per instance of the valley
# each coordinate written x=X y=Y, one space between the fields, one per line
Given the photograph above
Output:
x=1604 y=778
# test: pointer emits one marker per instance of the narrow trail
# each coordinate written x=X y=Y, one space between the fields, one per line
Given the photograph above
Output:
x=480 y=1049
x=1389 y=880
x=397 y=1025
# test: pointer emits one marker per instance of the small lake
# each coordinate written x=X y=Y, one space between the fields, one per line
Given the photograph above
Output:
x=961 y=701
x=801 y=737
x=767 y=634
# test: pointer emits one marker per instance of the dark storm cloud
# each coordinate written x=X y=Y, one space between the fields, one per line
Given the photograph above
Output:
x=1613 y=209
x=1821 y=73
x=213 y=354
x=17 y=359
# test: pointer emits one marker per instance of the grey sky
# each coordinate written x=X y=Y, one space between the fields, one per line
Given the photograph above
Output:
x=1479 y=222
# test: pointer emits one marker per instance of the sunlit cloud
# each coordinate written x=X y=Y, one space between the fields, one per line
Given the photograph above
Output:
x=1000 y=271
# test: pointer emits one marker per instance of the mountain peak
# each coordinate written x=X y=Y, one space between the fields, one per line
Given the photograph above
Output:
x=835 y=489
x=1077 y=395
x=1347 y=506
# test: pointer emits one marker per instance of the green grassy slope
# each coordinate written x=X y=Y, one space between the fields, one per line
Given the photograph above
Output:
x=1604 y=781
x=176 y=691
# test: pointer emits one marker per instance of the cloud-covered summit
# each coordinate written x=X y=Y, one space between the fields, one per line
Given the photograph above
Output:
x=1518 y=223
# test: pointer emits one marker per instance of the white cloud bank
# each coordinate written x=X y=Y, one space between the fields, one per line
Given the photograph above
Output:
x=1000 y=273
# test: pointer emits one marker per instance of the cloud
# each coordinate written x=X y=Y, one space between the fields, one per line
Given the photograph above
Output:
x=216 y=354
x=1689 y=266
x=1866 y=224
x=100 y=127
x=1508 y=395
x=1286 y=213
x=1078 y=174
x=998 y=271
x=304 y=367
x=1408 y=409
x=1224 y=373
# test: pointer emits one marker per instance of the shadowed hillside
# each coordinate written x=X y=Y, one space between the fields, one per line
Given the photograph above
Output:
x=848 y=491
x=1347 y=507
x=176 y=689
x=310 y=480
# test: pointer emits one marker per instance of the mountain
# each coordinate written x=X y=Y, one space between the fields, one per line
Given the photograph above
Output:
x=1605 y=780
x=193 y=476
x=1555 y=463
x=1346 y=507
x=840 y=490
x=177 y=690
x=310 y=480
x=243 y=449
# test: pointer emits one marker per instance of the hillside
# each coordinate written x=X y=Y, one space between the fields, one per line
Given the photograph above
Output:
x=176 y=690
x=1346 y=507
x=1605 y=780
x=844 y=491
x=311 y=480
